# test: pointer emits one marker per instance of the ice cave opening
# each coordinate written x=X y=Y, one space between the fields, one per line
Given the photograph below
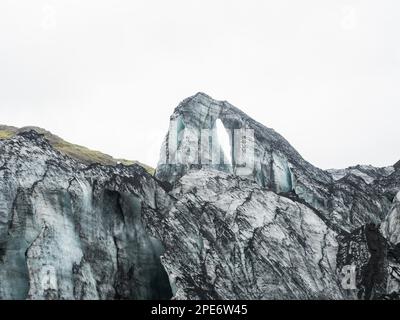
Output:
x=141 y=274
x=224 y=141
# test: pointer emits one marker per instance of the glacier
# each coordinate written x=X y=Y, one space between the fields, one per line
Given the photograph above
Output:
x=265 y=224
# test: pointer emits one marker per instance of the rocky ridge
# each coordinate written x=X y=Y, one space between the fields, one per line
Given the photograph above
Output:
x=282 y=230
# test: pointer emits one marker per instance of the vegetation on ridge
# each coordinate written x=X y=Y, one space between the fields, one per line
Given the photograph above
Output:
x=75 y=151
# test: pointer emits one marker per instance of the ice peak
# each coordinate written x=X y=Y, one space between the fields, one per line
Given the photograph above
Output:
x=202 y=95
x=192 y=103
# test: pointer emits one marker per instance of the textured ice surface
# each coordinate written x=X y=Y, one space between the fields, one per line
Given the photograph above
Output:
x=245 y=242
x=71 y=231
x=282 y=230
x=391 y=226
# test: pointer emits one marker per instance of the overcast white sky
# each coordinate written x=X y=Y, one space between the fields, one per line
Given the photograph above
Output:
x=108 y=74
